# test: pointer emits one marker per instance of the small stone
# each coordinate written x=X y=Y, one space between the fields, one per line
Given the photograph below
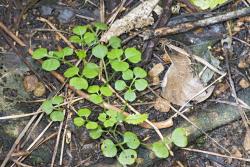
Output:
x=244 y=83
x=39 y=90
x=30 y=83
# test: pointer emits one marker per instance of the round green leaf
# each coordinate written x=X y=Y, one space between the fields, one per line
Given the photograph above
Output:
x=84 y=112
x=81 y=54
x=70 y=72
x=47 y=107
x=95 y=133
x=67 y=51
x=108 y=148
x=120 y=85
x=128 y=74
x=130 y=95
x=139 y=72
x=160 y=149
x=57 y=100
x=179 y=137
x=91 y=125
x=100 y=51
x=101 y=26
x=110 y=122
x=50 y=64
x=119 y=65
x=141 y=84
x=90 y=70
x=131 y=140
x=89 y=38
x=133 y=55
x=40 y=53
x=136 y=119
x=78 y=121
x=75 y=39
x=59 y=54
x=93 y=89
x=118 y=117
x=127 y=157
x=79 y=30
x=102 y=117
x=106 y=91
x=57 y=116
x=115 y=53
x=96 y=99
x=78 y=83
x=115 y=42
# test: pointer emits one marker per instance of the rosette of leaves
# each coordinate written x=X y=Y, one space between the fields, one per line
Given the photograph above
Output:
x=52 y=108
x=97 y=92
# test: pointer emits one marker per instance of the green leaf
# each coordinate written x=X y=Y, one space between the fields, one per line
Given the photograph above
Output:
x=93 y=89
x=78 y=83
x=120 y=85
x=91 y=125
x=90 y=70
x=89 y=38
x=127 y=75
x=205 y=4
x=136 y=118
x=109 y=122
x=50 y=64
x=40 y=53
x=78 y=121
x=130 y=95
x=96 y=99
x=95 y=133
x=127 y=157
x=102 y=117
x=100 y=51
x=131 y=140
x=67 y=51
x=115 y=53
x=179 y=137
x=70 y=72
x=57 y=100
x=141 y=84
x=57 y=116
x=133 y=55
x=115 y=42
x=81 y=54
x=79 y=30
x=160 y=150
x=84 y=112
x=119 y=65
x=139 y=72
x=58 y=54
x=106 y=91
x=119 y=117
x=101 y=26
x=47 y=107
x=75 y=39
x=108 y=148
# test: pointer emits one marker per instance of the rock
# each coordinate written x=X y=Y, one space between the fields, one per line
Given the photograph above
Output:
x=39 y=90
x=30 y=83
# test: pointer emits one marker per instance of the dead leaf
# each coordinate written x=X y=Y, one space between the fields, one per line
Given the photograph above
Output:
x=155 y=72
x=29 y=83
x=221 y=88
x=138 y=17
x=39 y=90
x=244 y=83
x=180 y=84
x=246 y=143
x=162 y=105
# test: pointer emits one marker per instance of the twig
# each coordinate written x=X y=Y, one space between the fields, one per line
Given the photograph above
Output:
x=201 y=23
x=17 y=140
x=19 y=116
x=20 y=163
x=102 y=11
x=215 y=154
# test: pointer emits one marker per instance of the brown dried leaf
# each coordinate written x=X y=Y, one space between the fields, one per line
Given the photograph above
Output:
x=246 y=143
x=162 y=105
x=139 y=17
x=29 y=83
x=180 y=84
x=244 y=83
x=155 y=72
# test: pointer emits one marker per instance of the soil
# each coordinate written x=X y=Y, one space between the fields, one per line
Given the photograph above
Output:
x=83 y=151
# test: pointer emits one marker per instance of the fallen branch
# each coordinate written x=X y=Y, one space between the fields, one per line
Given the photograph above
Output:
x=201 y=23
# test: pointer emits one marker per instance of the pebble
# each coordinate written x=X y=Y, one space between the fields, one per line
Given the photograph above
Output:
x=30 y=83
x=39 y=90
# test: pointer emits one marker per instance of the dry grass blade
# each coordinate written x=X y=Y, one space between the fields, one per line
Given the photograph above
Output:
x=19 y=116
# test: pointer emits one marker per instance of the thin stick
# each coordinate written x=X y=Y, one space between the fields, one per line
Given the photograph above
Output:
x=20 y=163
x=215 y=154
x=17 y=140
x=19 y=116
x=63 y=139
x=201 y=23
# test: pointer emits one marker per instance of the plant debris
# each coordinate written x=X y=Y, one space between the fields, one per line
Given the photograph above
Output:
x=154 y=73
